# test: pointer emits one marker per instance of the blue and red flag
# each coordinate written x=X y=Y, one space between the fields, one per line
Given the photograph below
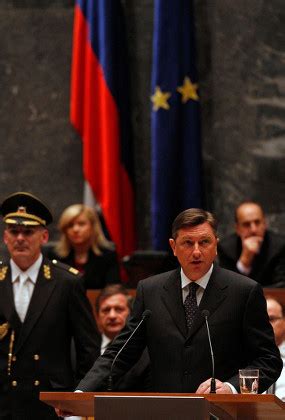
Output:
x=175 y=123
x=99 y=112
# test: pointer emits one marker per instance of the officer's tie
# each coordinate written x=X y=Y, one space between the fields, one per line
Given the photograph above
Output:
x=190 y=304
x=22 y=297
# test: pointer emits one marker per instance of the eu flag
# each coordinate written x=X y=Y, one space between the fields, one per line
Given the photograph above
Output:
x=100 y=114
x=175 y=124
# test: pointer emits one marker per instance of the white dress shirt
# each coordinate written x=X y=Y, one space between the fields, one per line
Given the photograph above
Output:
x=202 y=282
x=104 y=343
x=280 y=383
x=242 y=268
x=23 y=289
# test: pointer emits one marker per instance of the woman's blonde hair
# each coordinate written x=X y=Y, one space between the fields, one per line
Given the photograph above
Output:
x=98 y=240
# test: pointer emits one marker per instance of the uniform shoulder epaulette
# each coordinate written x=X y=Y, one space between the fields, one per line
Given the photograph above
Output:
x=3 y=270
x=65 y=267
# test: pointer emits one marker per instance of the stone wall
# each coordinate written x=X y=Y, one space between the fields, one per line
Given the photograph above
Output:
x=242 y=67
x=241 y=49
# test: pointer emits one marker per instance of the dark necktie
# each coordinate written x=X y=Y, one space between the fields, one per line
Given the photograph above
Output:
x=190 y=304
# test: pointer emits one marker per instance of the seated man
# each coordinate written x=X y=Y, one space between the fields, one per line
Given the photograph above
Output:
x=276 y=317
x=113 y=306
x=253 y=250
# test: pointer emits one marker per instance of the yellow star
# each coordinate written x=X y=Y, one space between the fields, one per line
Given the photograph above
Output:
x=188 y=90
x=159 y=99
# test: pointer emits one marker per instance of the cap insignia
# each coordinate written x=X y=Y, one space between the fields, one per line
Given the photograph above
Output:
x=22 y=209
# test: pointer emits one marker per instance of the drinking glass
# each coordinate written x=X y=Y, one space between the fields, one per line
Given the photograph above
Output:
x=248 y=381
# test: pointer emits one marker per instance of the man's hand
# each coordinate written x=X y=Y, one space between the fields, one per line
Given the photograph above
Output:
x=250 y=248
x=221 y=387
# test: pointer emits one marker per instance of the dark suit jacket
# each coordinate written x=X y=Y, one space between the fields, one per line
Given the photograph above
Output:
x=268 y=267
x=241 y=335
x=137 y=379
x=58 y=312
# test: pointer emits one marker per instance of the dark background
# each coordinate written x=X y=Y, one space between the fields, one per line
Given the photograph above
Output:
x=241 y=64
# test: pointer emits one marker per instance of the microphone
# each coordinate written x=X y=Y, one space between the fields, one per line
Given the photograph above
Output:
x=205 y=314
x=146 y=315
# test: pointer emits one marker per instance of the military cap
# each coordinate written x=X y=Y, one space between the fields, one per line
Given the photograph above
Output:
x=22 y=208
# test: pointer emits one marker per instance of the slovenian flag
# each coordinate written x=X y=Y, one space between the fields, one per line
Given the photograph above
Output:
x=175 y=123
x=100 y=114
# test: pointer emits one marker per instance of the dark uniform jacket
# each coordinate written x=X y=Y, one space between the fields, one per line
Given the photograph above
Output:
x=40 y=357
x=137 y=379
x=268 y=267
x=180 y=358
x=99 y=271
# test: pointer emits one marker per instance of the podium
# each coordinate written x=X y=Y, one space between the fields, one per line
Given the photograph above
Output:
x=155 y=406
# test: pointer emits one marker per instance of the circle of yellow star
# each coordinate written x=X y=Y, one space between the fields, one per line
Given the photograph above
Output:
x=188 y=90
x=159 y=99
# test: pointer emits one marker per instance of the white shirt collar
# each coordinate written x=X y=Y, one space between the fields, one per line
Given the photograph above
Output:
x=282 y=349
x=202 y=282
x=105 y=341
x=32 y=272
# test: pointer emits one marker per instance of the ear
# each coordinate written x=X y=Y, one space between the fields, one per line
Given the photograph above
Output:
x=45 y=236
x=237 y=229
x=5 y=237
x=173 y=245
x=217 y=242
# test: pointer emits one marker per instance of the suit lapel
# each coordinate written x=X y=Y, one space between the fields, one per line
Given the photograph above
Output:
x=214 y=294
x=172 y=297
x=44 y=287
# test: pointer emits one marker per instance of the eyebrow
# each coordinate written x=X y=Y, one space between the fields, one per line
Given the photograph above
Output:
x=206 y=235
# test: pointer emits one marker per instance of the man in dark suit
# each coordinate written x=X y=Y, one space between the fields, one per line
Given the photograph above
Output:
x=176 y=334
x=254 y=250
x=113 y=306
x=42 y=308
x=276 y=313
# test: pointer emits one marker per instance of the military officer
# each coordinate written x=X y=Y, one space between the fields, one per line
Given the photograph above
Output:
x=43 y=308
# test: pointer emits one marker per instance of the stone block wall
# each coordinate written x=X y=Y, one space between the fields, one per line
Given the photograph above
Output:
x=241 y=49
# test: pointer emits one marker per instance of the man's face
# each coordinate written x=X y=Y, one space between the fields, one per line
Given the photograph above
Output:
x=24 y=244
x=250 y=221
x=276 y=319
x=195 y=248
x=112 y=315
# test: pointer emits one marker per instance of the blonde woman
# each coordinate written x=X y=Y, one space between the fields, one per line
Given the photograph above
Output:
x=83 y=245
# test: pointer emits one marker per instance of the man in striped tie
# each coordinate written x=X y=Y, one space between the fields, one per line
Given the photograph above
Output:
x=176 y=335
